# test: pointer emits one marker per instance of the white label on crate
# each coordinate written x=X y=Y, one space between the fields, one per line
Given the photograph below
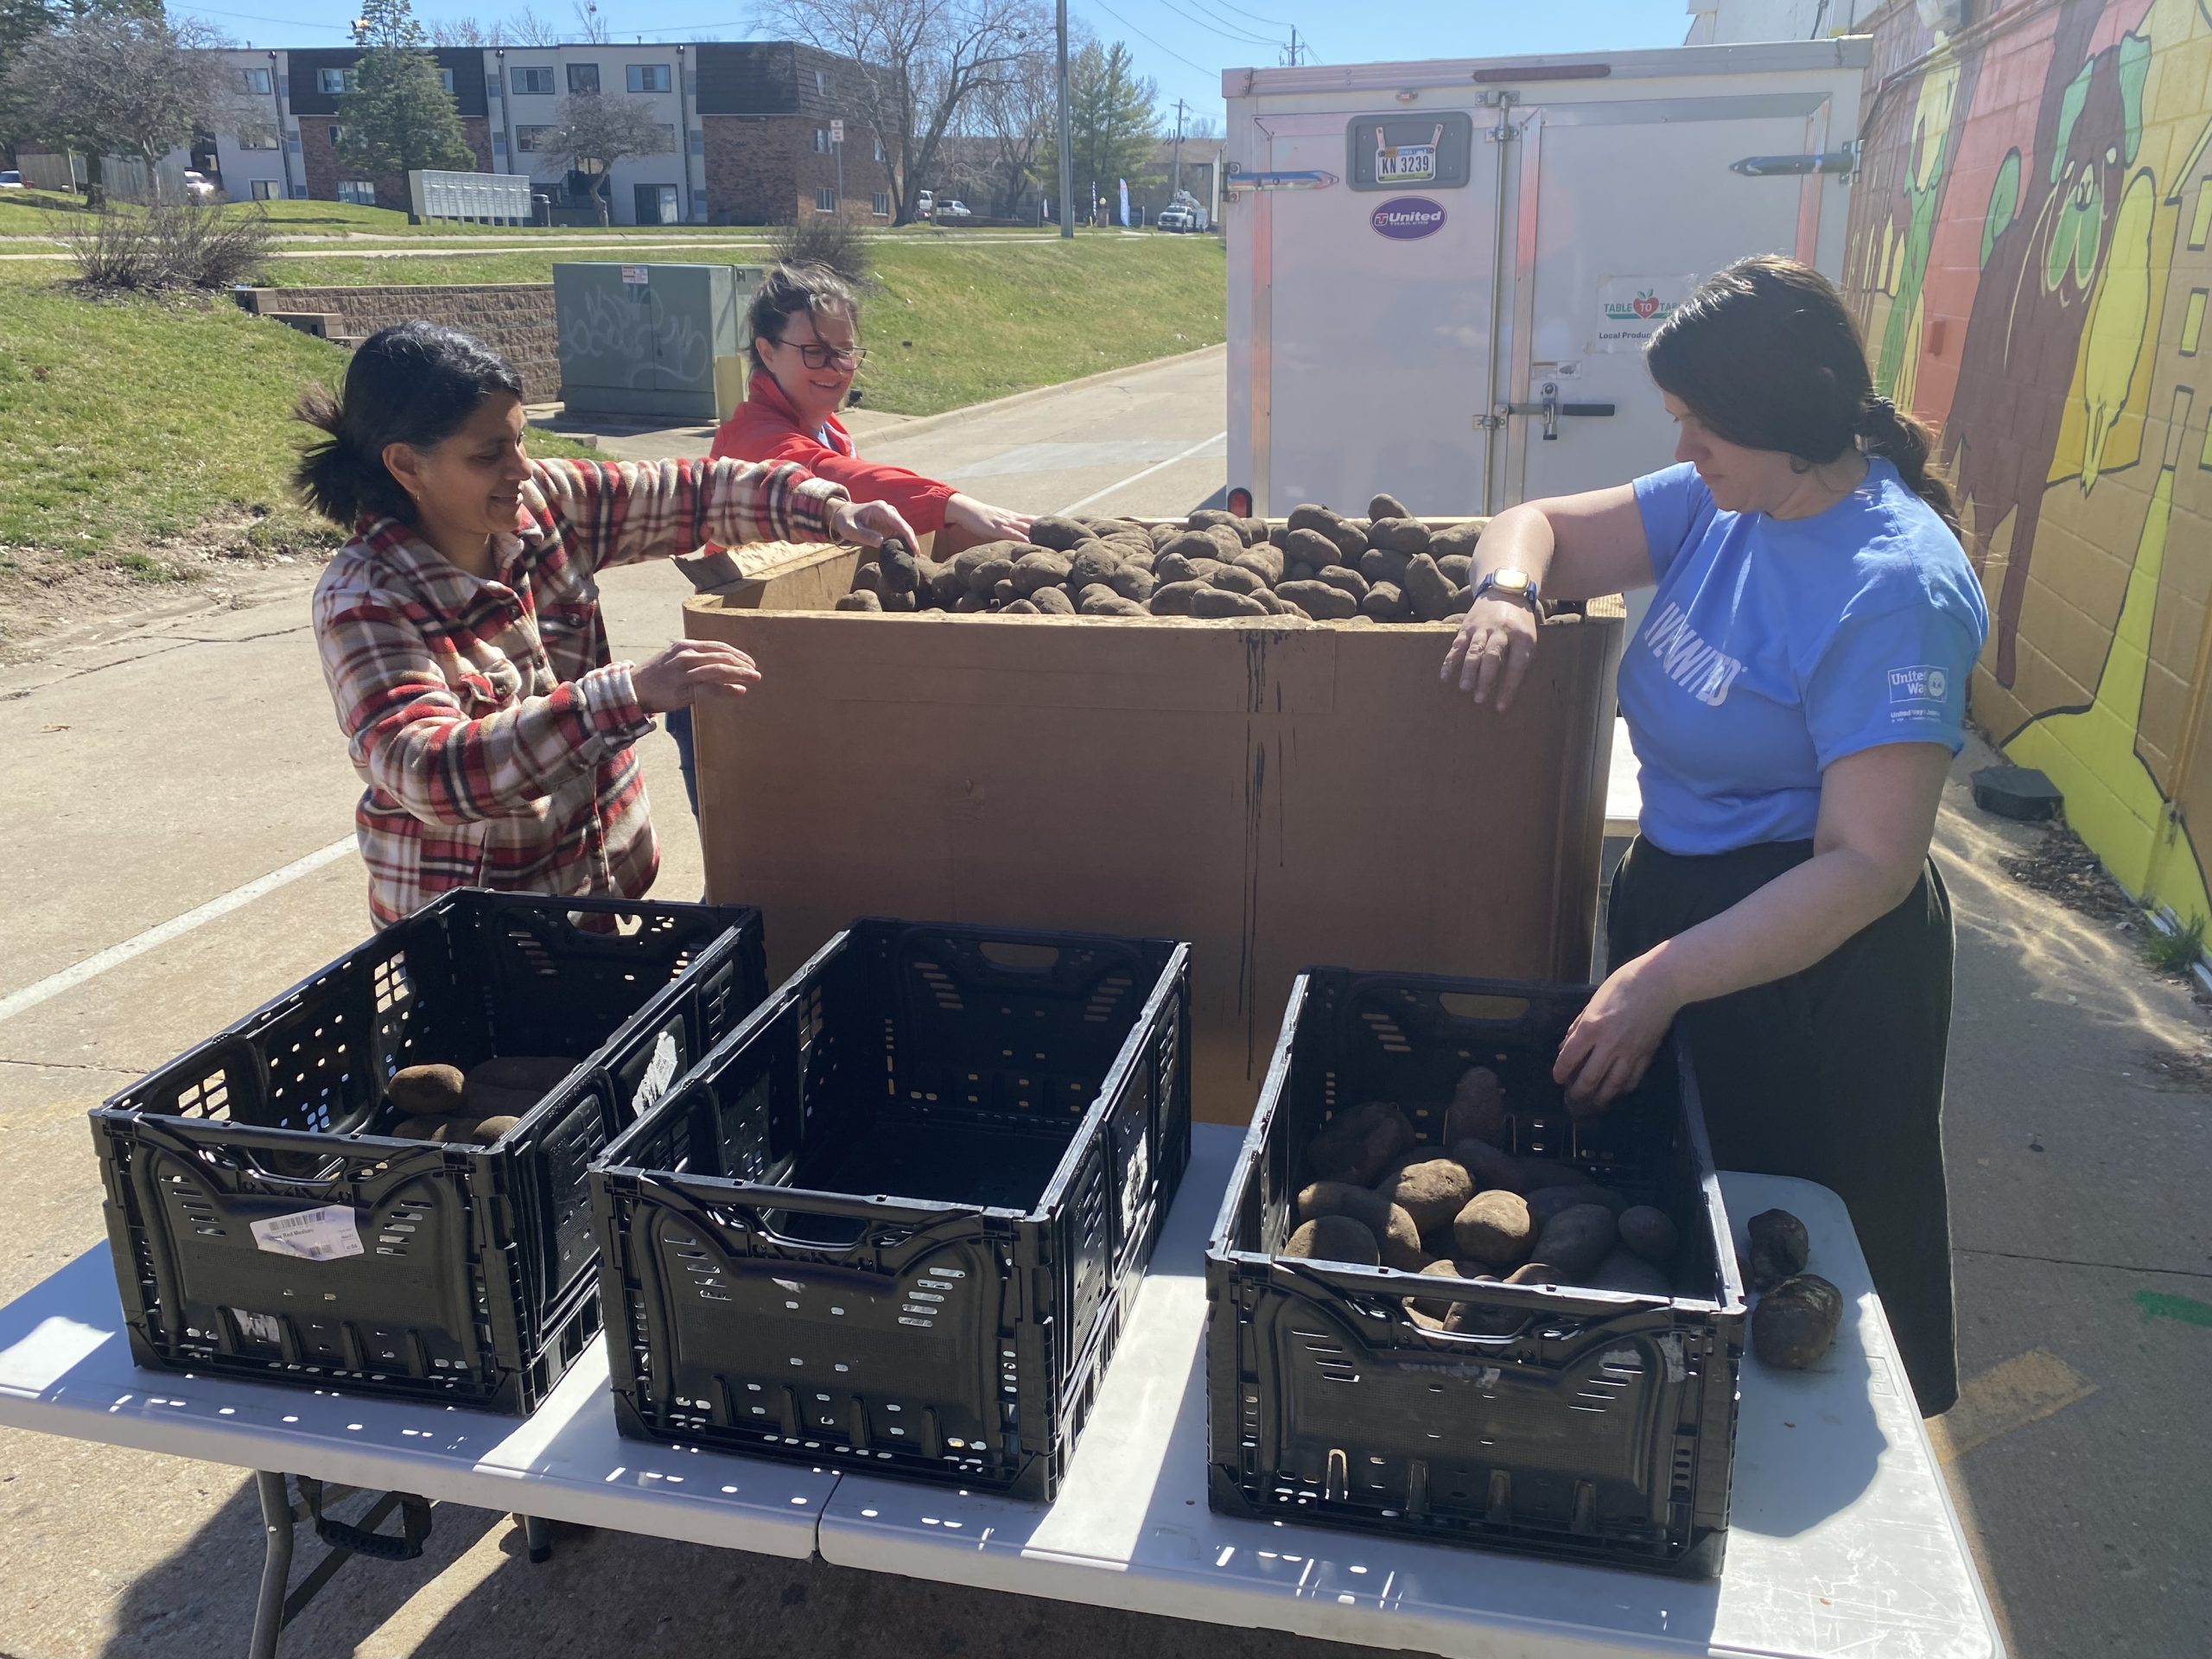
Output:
x=660 y=1071
x=258 y=1327
x=323 y=1233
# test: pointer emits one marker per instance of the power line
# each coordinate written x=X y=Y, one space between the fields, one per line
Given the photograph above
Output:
x=1272 y=22
x=1141 y=35
x=1226 y=33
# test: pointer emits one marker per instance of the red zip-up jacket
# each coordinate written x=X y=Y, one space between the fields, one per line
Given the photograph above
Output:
x=765 y=427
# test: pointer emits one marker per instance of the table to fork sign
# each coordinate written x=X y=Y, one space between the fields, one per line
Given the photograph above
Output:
x=1843 y=1539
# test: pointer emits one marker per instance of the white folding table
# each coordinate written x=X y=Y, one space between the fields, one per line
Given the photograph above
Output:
x=1843 y=1539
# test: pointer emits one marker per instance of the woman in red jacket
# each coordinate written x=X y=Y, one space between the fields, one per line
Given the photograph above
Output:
x=805 y=322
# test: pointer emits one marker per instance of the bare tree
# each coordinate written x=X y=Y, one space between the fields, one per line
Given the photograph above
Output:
x=919 y=63
x=526 y=28
x=1200 y=126
x=1017 y=115
x=594 y=132
x=591 y=26
x=464 y=31
x=119 y=86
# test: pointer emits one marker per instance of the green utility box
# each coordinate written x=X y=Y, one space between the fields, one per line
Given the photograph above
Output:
x=653 y=342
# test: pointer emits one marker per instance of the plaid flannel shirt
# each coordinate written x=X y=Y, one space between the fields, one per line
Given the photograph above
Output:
x=493 y=731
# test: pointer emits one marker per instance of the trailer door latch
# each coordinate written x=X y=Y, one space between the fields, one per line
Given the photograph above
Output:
x=1551 y=409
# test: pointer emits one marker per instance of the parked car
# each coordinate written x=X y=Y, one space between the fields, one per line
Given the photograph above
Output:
x=197 y=187
x=955 y=210
x=924 y=205
x=1183 y=214
x=10 y=179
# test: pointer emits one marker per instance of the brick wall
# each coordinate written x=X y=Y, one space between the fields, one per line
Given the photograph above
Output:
x=764 y=169
x=323 y=170
x=514 y=319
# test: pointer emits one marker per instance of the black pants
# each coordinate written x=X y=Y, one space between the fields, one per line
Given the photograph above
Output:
x=1834 y=1075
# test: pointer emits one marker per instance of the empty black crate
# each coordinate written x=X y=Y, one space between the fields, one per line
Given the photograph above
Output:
x=1594 y=1426
x=895 y=1222
x=461 y=1272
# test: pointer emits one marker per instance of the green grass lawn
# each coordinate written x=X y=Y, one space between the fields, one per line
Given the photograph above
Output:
x=953 y=323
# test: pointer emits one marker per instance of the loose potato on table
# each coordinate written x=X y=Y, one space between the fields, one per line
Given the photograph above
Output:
x=1793 y=1325
x=1780 y=1248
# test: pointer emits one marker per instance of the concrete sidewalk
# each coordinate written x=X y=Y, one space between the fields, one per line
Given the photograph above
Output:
x=164 y=765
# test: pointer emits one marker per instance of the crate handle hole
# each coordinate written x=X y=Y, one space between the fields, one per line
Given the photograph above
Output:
x=1475 y=1005
x=1019 y=959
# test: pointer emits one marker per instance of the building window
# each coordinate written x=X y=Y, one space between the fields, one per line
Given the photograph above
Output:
x=879 y=149
x=820 y=85
x=821 y=141
x=337 y=81
x=256 y=138
x=533 y=83
x=667 y=139
x=583 y=77
x=254 y=83
x=359 y=191
x=825 y=199
x=268 y=189
x=337 y=135
x=529 y=138
x=881 y=206
x=648 y=77
x=445 y=79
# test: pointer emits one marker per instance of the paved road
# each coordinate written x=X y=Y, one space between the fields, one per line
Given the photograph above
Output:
x=161 y=768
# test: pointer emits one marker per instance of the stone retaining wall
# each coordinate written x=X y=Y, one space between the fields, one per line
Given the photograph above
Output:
x=514 y=319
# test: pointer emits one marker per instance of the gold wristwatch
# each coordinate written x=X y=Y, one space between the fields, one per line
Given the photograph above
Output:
x=1511 y=583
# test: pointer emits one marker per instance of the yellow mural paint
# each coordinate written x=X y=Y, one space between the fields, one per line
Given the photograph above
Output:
x=2199 y=224
x=2111 y=346
x=2112 y=801
x=2192 y=323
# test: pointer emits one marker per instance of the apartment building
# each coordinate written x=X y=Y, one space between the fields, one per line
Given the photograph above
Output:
x=748 y=128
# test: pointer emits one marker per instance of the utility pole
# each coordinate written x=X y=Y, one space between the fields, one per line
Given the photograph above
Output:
x=1293 y=46
x=1067 y=149
x=1178 y=149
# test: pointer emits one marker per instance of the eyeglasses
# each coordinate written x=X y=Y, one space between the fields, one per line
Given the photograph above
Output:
x=821 y=357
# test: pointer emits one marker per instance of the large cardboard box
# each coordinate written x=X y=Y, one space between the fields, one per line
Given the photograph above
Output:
x=1279 y=795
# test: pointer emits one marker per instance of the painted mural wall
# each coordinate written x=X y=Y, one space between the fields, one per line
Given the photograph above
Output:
x=2029 y=258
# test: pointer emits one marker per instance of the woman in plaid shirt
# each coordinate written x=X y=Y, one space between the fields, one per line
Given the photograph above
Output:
x=460 y=633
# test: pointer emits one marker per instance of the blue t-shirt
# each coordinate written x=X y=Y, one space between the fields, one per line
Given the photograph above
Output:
x=1774 y=647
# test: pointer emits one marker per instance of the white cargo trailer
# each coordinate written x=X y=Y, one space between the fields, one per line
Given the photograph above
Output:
x=1441 y=275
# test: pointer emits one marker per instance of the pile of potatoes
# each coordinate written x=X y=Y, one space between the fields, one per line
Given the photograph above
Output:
x=1380 y=1198
x=1320 y=566
x=443 y=1104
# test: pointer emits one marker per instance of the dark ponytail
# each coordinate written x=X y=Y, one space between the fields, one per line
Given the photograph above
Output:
x=416 y=383
x=1769 y=357
x=1907 y=443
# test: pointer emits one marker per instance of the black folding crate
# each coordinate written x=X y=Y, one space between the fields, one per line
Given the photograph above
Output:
x=895 y=1222
x=266 y=1225
x=1594 y=1424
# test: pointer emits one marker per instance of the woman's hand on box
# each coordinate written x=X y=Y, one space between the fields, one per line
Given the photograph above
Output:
x=985 y=522
x=1491 y=654
x=1610 y=1046
x=869 y=524
x=690 y=670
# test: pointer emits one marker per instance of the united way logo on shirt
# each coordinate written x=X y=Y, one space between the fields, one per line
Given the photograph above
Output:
x=1919 y=692
x=1704 y=671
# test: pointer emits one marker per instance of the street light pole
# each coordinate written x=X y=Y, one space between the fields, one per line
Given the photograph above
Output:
x=1067 y=149
x=1178 y=148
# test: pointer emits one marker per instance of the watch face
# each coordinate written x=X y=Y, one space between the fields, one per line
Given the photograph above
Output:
x=1510 y=577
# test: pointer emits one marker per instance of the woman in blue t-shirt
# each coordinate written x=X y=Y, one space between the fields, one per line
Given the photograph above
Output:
x=1795 y=695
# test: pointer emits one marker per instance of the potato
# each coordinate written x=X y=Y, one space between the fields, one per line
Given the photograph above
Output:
x=1362 y=1204
x=428 y=1090
x=1546 y=1202
x=1098 y=599
x=1320 y=601
x=1462 y=601
x=970 y=603
x=1399 y=535
x=1053 y=602
x=1351 y=540
x=1311 y=515
x=1427 y=587
x=899 y=567
x=486 y=1130
x=1092 y=563
x=1309 y=547
x=1386 y=506
x=1401 y=1242
x=1575 y=1240
x=1494 y=1228
x=1478 y=1110
x=1138 y=554
x=868 y=579
x=1488 y=1167
x=1190 y=544
x=1793 y=1325
x=943 y=583
x=1649 y=1232
x=1174 y=567
x=1385 y=602
x=1432 y=1190
x=1267 y=565
x=1454 y=540
x=1439 y=1308
x=1379 y=564
x=441 y=1129
x=858 y=601
x=1220 y=601
x=1543 y=1171
x=1041 y=569
x=1207 y=517
x=1060 y=534
x=1335 y=1239
x=1161 y=534
x=1630 y=1274
x=1338 y=575
x=1173 y=597
x=1019 y=608
x=901 y=602
x=1278 y=534
x=1358 y=1145
x=1238 y=580
x=1256 y=531
x=1780 y=1248
x=1132 y=583
x=1457 y=568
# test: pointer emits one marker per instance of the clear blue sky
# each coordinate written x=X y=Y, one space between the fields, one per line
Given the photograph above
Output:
x=1183 y=44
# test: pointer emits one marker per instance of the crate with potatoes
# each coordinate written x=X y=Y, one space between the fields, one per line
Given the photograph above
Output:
x=1317 y=565
x=1443 y=1304
x=896 y=1223
x=378 y=1178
